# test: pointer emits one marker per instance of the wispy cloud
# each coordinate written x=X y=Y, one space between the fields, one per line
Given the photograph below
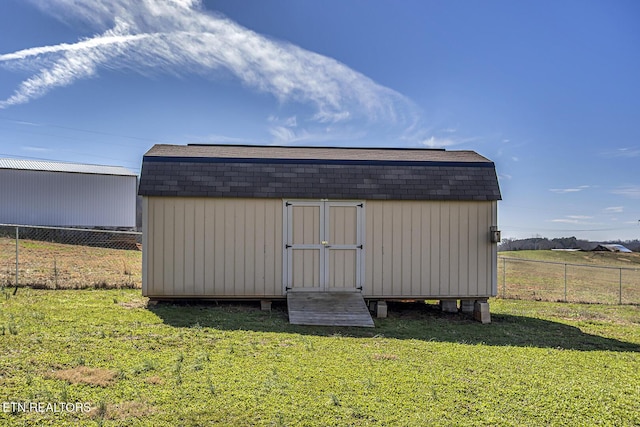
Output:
x=614 y=209
x=435 y=142
x=575 y=219
x=219 y=139
x=283 y=135
x=569 y=190
x=35 y=149
x=439 y=138
x=180 y=37
x=631 y=191
x=566 y=221
x=627 y=152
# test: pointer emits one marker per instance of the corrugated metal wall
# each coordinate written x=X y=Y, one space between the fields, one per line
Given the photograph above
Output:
x=430 y=249
x=225 y=247
x=212 y=247
x=67 y=199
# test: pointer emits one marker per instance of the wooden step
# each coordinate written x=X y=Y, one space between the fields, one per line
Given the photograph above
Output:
x=328 y=309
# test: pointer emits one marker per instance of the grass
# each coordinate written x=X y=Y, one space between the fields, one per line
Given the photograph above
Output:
x=587 y=279
x=55 y=265
x=538 y=363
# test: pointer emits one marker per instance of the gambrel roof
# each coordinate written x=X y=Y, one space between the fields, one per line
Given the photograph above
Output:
x=317 y=172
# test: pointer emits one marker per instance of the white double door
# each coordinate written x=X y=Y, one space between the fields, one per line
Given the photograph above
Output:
x=323 y=248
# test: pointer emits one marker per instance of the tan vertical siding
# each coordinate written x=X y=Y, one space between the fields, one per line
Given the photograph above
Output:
x=168 y=260
x=146 y=239
x=250 y=250
x=189 y=248
x=429 y=249
x=199 y=261
x=208 y=247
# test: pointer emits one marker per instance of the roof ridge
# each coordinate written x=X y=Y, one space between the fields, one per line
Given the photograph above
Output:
x=326 y=147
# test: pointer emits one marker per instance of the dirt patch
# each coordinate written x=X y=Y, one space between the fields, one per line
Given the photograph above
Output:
x=155 y=380
x=85 y=375
x=142 y=303
x=123 y=411
x=384 y=357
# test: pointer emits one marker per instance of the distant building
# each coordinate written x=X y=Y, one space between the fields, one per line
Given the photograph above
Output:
x=48 y=193
x=612 y=248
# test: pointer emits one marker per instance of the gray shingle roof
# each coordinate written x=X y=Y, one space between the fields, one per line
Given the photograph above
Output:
x=316 y=154
x=314 y=172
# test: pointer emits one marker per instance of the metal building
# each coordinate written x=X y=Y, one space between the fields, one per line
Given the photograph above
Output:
x=48 y=193
x=263 y=222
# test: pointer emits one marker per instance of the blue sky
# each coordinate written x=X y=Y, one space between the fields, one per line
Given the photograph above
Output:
x=548 y=90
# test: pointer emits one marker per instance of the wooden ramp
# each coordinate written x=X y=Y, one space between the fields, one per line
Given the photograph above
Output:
x=328 y=309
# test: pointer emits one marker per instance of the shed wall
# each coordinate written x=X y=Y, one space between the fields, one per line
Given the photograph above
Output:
x=430 y=249
x=212 y=247
x=67 y=199
x=228 y=247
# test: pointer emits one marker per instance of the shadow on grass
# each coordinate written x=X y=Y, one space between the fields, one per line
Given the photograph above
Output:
x=406 y=321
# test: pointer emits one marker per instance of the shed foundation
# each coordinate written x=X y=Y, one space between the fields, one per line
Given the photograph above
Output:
x=467 y=306
x=449 y=306
x=481 y=311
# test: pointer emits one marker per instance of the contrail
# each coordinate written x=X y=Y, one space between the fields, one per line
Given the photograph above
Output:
x=179 y=37
x=66 y=47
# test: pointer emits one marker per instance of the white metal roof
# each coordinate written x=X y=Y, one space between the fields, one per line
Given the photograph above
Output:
x=51 y=166
x=618 y=248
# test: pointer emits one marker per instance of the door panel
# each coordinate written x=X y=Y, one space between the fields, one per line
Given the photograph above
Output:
x=305 y=256
x=323 y=245
x=306 y=225
x=342 y=269
x=343 y=225
x=343 y=221
x=305 y=268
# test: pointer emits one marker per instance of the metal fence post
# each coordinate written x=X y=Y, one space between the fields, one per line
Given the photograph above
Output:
x=17 y=259
x=620 y=300
x=504 y=278
x=565 y=283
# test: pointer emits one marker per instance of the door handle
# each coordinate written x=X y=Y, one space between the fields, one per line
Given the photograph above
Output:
x=326 y=244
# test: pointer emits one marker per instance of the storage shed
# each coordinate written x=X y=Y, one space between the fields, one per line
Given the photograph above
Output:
x=266 y=222
x=48 y=193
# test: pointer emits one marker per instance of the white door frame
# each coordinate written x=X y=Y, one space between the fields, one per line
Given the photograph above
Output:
x=325 y=246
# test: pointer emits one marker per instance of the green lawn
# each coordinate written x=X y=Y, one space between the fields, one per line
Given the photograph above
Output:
x=538 y=363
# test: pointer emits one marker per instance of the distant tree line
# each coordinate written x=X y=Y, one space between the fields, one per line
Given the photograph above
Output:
x=542 y=243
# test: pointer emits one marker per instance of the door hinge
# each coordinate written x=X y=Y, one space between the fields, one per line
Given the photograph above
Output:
x=359 y=246
x=287 y=288
x=287 y=204
x=359 y=288
x=287 y=246
x=361 y=205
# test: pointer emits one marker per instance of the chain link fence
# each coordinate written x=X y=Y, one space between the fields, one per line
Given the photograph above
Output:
x=557 y=281
x=72 y=258
x=69 y=258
